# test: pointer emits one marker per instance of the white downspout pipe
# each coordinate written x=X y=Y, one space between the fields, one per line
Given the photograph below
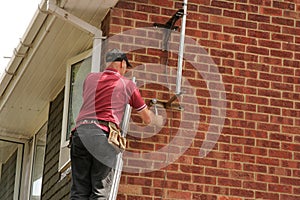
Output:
x=84 y=26
x=181 y=48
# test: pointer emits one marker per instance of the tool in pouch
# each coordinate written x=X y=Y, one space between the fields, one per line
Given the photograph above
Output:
x=115 y=138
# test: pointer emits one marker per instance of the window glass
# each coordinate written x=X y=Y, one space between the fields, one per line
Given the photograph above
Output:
x=78 y=73
x=38 y=164
x=77 y=70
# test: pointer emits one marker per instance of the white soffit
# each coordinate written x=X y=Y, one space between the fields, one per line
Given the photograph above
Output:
x=39 y=69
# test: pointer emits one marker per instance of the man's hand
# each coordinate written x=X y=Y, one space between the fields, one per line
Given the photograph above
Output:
x=156 y=120
x=149 y=118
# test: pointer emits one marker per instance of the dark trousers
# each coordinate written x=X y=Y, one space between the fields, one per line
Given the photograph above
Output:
x=92 y=160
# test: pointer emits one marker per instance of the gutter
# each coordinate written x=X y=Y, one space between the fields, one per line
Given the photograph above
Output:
x=21 y=56
x=13 y=71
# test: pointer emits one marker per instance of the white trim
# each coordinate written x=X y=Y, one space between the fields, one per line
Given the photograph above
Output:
x=18 y=171
x=64 y=154
x=27 y=168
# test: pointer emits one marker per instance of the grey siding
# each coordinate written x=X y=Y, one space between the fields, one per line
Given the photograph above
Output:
x=7 y=182
x=54 y=188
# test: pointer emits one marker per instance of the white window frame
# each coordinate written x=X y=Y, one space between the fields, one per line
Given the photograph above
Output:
x=64 y=155
x=42 y=131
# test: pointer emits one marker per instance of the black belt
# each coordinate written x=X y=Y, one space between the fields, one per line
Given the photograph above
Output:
x=92 y=121
x=89 y=122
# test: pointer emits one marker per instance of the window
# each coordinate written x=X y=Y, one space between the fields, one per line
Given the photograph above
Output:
x=38 y=164
x=77 y=69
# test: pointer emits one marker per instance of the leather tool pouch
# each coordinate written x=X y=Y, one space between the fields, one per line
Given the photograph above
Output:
x=115 y=138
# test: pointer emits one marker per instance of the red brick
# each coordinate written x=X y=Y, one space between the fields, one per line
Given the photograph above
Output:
x=280 y=154
x=258 y=50
x=204 y=179
x=245 y=141
x=254 y=185
x=269 y=93
x=245 y=90
x=246 y=57
x=268 y=178
x=229 y=182
x=258 y=67
x=269 y=127
x=242 y=192
x=258 y=83
x=241 y=175
x=270 y=144
x=283 y=37
x=280 y=188
x=221 y=20
x=259 y=34
x=245 y=24
x=193 y=16
x=266 y=195
x=270 y=110
x=216 y=172
x=230 y=165
x=269 y=27
x=290 y=129
x=230 y=148
x=233 y=30
x=270 y=44
x=257 y=117
x=283 y=21
x=284 y=5
x=259 y=18
x=234 y=14
x=210 y=27
x=271 y=11
x=210 y=43
x=282 y=120
x=245 y=40
x=126 y=5
x=246 y=7
x=260 y=2
x=210 y=10
x=282 y=86
x=243 y=158
x=172 y=194
x=255 y=151
x=165 y=3
x=256 y=133
x=291 y=147
x=281 y=54
x=216 y=190
x=220 y=36
x=243 y=124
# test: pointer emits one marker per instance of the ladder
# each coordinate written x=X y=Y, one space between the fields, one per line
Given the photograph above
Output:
x=119 y=163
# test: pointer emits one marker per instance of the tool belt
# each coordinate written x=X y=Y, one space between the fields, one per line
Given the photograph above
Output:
x=115 y=138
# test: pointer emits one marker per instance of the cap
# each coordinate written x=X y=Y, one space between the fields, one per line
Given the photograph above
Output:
x=117 y=55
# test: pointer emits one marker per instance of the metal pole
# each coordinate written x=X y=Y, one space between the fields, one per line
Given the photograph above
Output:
x=181 y=48
x=119 y=163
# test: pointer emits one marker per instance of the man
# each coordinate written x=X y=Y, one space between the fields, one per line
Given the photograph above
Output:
x=105 y=95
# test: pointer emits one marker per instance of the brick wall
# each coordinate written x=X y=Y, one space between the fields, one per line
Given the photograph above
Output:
x=254 y=45
x=53 y=187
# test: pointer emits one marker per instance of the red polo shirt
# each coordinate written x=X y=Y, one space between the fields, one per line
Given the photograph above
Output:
x=105 y=95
